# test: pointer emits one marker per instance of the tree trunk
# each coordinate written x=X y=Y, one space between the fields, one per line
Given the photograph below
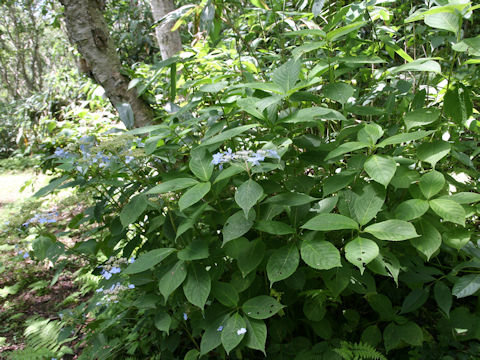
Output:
x=87 y=29
x=168 y=41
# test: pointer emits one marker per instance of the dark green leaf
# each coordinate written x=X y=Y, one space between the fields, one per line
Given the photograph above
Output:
x=248 y=194
x=233 y=332
x=172 y=185
x=237 y=225
x=329 y=222
x=197 y=286
x=320 y=254
x=282 y=263
x=261 y=307
x=172 y=279
x=148 y=260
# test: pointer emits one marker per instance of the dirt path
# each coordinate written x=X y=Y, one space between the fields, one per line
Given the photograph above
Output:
x=11 y=184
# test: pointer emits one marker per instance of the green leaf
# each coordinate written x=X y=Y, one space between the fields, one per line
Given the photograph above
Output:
x=229 y=172
x=419 y=65
x=457 y=238
x=421 y=117
x=237 y=225
x=382 y=305
x=451 y=8
x=443 y=297
x=290 y=199
x=449 y=210
x=55 y=183
x=172 y=185
x=370 y=134
x=274 y=227
x=380 y=168
x=342 y=31
x=132 y=211
x=197 y=286
x=309 y=115
x=196 y=250
x=251 y=257
x=414 y=300
x=405 y=137
x=337 y=182
x=464 y=197
x=231 y=334
x=411 y=209
x=320 y=254
x=172 y=279
x=261 y=307
x=256 y=336
x=148 y=260
x=225 y=293
x=287 y=75
x=392 y=230
x=228 y=134
x=345 y=148
x=192 y=355
x=247 y=195
x=163 y=321
x=194 y=195
x=444 y=21
x=361 y=251
x=367 y=205
x=433 y=152
x=211 y=338
x=201 y=164
x=466 y=285
x=282 y=263
x=326 y=205
x=329 y=222
x=339 y=92
x=431 y=183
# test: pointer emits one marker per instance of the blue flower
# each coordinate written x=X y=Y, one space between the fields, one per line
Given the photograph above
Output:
x=115 y=270
x=129 y=159
x=131 y=260
x=99 y=290
x=26 y=255
x=241 y=331
x=185 y=316
x=131 y=286
x=220 y=328
x=273 y=153
x=217 y=158
x=256 y=158
x=106 y=274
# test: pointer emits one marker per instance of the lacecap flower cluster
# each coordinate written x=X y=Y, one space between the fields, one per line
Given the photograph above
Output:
x=249 y=156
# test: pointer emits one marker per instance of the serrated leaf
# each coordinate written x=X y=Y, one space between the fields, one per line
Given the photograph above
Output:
x=392 y=230
x=172 y=279
x=433 y=152
x=346 y=148
x=443 y=297
x=237 y=225
x=247 y=195
x=367 y=205
x=448 y=210
x=172 y=185
x=197 y=286
x=414 y=300
x=329 y=222
x=282 y=263
x=320 y=254
x=405 y=137
x=380 y=168
x=132 y=211
x=361 y=251
x=256 y=336
x=411 y=209
x=431 y=183
x=466 y=285
x=231 y=335
x=194 y=195
x=261 y=307
x=148 y=260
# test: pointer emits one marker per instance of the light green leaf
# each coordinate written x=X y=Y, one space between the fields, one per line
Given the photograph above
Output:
x=361 y=251
x=229 y=172
x=457 y=238
x=411 y=209
x=251 y=257
x=444 y=21
x=345 y=148
x=290 y=199
x=172 y=185
x=367 y=205
x=433 y=152
x=464 y=197
x=228 y=134
x=370 y=134
x=201 y=164
x=451 y=8
x=392 y=230
x=326 y=205
x=261 y=307
x=443 y=297
x=163 y=321
x=148 y=260
x=308 y=115
x=380 y=168
x=405 y=137
x=431 y=183
x=329 y=222
x=194 y=195
x=172 y=279
x=256 y=336
x=213 y=88
x=192 y=355
x=339 y=92
x=312 y=32
x=197 y=286
x=231 y=334
x=248 y=194
x=337 y=182
x=287 y=75
x=282 y=263
x=225 y=293
x=274 y=227
x=342 y=31
x=320 y=254
x=132 y=211
x=249 y=105
x=421 y=117
x=466 y=285
x=449 y=210
x=419 y=65
x=237 y=225
x=55 y=183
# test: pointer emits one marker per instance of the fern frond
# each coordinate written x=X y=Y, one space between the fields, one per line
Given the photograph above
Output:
x=359 y=351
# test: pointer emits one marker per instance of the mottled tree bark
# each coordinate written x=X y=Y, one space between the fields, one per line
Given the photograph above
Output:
x=169 y=41
x=88 y=30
